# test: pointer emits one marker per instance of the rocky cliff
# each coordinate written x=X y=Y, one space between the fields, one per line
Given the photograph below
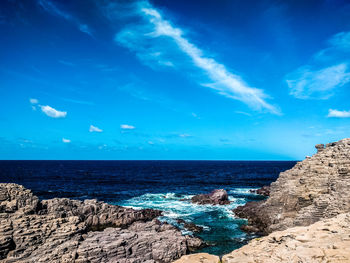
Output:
x=64 y=230
x=316 y=188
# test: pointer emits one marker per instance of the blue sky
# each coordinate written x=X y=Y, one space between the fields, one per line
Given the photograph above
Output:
x=231 y=80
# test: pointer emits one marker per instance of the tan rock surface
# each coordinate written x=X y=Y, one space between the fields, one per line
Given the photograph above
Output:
x=64 y=230
x=198 y=258
x=316 y=188
x=325 y=241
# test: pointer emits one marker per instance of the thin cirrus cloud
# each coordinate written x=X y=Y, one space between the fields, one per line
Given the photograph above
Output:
x=338 y=114
x=153 y=33
x=328 y=71
x=52 y=8
x=53 y=113
x=94 y=129
x=127 y=127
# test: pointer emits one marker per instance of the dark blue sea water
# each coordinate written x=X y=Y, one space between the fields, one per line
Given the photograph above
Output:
x=155 y=184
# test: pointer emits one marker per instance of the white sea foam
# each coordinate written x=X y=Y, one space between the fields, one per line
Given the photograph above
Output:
x=242 y=191
x=177 y=206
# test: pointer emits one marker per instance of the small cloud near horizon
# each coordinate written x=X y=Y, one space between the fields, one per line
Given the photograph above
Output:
x=338 y=114
x=94 y=129
x=127 y=127
x=64 y=140
x=33 y=101
x=53 y=113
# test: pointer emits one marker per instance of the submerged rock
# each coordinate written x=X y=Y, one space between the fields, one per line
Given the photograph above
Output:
x=313 y=189
x=63 y=230
x=264 y=191
x=216 y=197
x=190 y=226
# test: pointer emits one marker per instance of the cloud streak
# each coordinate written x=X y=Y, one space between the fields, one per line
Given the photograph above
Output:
x=51 y=8
x=338 y=114
x=328 y=71
x=53 y=113
x=155 y=27
x=64 y=140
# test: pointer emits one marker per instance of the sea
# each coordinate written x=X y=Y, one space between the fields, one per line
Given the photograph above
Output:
x=156 y=184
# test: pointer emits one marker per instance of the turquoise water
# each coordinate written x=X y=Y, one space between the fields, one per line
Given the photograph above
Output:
x=220 y=226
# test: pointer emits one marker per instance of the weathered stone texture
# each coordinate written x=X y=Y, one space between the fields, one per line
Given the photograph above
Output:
x=322 y=242
x=313 y=189
x=64 y=230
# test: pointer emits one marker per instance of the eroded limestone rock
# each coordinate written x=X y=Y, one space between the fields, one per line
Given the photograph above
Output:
x=325 y=241
x=64 y=230
x=313 y=189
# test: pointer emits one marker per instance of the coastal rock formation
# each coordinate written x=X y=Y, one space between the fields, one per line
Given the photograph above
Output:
x=141 y=242
x=313 y=189
x=216 y=197
x=64 y=230
x=324 y=241
x=199 y=258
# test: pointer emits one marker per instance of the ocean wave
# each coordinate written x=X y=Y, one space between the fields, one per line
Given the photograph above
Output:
x=242 y=191
x=178 y=206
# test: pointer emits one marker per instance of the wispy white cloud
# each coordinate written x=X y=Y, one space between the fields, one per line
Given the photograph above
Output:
x=53 y=9
x=53 y=113
x=184 y=135
x=94 y=129
x=64 y=140
x=155 y=27
x=338 y=114
x=306 y=83
x=243 y=113
x=33 y=101
x=328 y=71
x=195 y=115
x=85 y=29
x=127 y=127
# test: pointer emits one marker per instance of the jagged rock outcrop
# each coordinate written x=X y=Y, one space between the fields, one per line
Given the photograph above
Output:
x=325 y=241
x=63 y=230
x=313 y=189
x=216 y=197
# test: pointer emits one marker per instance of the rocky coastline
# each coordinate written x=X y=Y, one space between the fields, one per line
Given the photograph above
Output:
x=314 y=189
x=305 y=218
x=64 y=230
